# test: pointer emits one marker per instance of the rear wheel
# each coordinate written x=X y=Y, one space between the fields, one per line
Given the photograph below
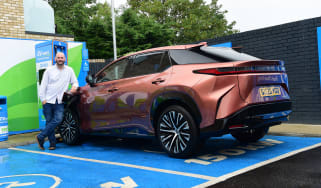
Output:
x=177 y=132
x=251 y=135
x=69 y=128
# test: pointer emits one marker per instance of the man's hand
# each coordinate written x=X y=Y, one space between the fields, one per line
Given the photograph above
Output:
x=44 y=102
x=73 y=89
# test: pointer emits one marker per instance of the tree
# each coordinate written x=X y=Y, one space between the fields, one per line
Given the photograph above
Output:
x=192 y=20
x=138 y=32
x=88 y=21
x=72 y=16
x=98 y=33
x=91 y=22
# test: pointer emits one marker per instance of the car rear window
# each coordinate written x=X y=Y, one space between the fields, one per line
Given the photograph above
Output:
x=228 y=54
x=208 y=54
x=189 y=57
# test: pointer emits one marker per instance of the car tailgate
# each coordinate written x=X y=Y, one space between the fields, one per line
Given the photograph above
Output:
x=262 y=81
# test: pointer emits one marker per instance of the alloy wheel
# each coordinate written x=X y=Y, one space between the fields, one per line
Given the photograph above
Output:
x=68 y=129
x=174 y=131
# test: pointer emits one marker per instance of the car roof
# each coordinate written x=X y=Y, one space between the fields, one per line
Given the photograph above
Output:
x=177 y=47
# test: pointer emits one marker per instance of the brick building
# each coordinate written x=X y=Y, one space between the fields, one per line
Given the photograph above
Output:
x=12 y=23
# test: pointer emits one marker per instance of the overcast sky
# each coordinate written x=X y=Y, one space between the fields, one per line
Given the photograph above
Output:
x=255 y=14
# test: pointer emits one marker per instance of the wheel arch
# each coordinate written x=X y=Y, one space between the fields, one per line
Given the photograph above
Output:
x=174 y=98
x=71 y=102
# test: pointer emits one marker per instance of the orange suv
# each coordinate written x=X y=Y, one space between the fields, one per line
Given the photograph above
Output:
x=182 y=95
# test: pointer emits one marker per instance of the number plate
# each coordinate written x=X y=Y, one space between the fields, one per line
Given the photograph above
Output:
x=270 y=91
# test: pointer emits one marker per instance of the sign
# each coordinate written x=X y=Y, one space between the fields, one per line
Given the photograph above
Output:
x=43 y=53
x=319 y=48
x=85 y=65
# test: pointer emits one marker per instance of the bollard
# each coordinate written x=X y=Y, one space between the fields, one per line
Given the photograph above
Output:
x=3 y=119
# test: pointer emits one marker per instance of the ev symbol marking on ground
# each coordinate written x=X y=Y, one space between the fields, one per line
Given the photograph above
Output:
x=12 y=182
x=128 y=183
x=17 y=184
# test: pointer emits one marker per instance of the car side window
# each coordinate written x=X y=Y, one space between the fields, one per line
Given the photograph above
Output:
x=165 y=62
x=149 y=63
x=115 y=71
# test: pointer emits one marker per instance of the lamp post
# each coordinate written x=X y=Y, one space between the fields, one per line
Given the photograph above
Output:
x=114 y=30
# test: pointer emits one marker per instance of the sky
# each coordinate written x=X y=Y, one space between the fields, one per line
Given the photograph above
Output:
x=256 y=14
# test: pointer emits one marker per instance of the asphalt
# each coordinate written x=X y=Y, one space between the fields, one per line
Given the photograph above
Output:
x=294 y=171
x=303 y=130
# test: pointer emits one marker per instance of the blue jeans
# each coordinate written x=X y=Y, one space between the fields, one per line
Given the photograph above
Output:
x=54 y=114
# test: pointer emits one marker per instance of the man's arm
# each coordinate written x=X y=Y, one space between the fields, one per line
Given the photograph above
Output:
x=43 y=87
x=73 y=81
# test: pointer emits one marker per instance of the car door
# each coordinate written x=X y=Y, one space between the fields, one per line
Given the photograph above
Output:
x=148 y=75
x=101 y=101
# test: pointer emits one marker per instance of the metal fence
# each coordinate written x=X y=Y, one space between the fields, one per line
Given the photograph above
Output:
x=97 y=64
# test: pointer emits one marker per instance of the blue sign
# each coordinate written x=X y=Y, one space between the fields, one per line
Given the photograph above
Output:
x=226 y=44
x=319 y=47
x=84 y=53
x=43 y=53
x=85 y=65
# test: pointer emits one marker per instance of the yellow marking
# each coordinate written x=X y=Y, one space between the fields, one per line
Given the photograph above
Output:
x=270 y=91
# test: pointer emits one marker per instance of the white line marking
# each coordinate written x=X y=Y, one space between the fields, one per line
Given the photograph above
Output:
x=57 y=180
x=255 y=166
x=150 y=151
x=128 y=183
x=120 y=164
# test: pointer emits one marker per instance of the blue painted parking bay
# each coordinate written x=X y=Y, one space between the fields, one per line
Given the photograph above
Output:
x=110 y=162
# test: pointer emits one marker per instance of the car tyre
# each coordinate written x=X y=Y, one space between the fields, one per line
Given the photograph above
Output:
x=69 y=128
x=250 y=135
x=177 y=132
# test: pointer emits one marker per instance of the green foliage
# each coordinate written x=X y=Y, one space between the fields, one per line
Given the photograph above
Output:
x=98 y=33
x=138 y=32
x=88 y=21
x=145 y=24
x=72 y=16
x=192 y=20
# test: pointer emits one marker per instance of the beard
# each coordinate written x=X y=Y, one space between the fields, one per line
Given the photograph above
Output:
x=60 y=63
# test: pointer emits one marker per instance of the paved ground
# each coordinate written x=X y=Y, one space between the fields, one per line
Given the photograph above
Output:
x=102 y=161
x=19 y=140
x=301 y=170
x=284 y=129
x=296 y=130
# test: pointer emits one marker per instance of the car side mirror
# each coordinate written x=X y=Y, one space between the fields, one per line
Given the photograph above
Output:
x=91 y=80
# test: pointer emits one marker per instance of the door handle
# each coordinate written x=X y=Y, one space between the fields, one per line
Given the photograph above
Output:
x=158 y=80
x=113 y=89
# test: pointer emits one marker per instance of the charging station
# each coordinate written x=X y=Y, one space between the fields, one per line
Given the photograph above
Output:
x=25 y=61
x=45 y=57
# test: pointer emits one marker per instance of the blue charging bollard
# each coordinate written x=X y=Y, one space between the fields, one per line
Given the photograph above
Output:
x=3 y=119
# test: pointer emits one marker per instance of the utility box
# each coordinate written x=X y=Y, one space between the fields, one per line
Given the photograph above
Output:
x=3 y=119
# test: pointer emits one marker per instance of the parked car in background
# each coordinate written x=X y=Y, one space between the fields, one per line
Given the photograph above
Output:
x=182 y=95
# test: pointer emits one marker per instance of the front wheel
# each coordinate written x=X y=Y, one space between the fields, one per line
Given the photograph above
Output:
x=69 y=128
x=177 y=132
x=251 y=135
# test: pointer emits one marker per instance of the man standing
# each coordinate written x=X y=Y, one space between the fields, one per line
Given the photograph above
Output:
x=55 y=82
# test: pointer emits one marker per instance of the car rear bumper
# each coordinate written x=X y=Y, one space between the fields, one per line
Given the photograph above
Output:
x=252 y=116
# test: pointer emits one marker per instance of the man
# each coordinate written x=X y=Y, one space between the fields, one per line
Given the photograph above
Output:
x=55 y=82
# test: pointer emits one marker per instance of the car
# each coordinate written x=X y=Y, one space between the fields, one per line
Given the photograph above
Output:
x=182 y=95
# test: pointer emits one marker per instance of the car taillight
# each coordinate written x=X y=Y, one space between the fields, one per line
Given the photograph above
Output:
x=243 y=70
